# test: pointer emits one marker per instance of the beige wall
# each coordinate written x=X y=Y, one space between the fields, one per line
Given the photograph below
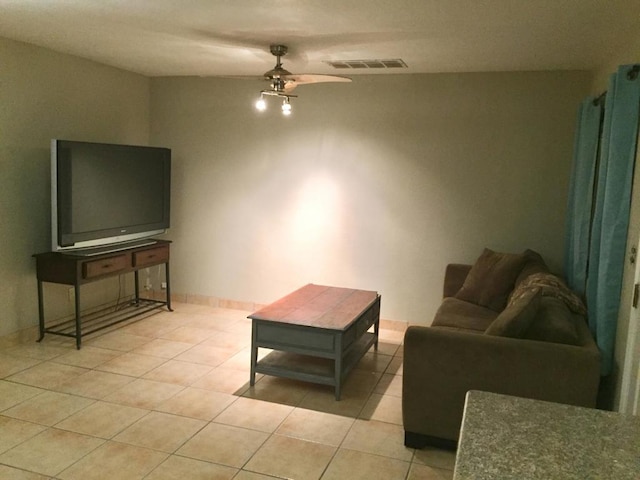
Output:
x=47 y=95
x=375 y=185
x=628 y=54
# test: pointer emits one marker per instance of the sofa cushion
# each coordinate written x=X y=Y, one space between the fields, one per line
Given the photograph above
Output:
x=456 y=313
x=491 y=279
x=471 y=331
x=554 y=323
x=516 y=319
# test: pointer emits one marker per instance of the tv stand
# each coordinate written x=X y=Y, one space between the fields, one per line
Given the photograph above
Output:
x=77 y=270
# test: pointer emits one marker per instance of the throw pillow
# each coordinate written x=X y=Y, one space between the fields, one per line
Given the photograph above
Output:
x=552 y=286
x=516 y=319
x=491 y=279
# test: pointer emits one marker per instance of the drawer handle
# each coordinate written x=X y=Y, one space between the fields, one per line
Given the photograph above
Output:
x=151 y=256
x=106 y=265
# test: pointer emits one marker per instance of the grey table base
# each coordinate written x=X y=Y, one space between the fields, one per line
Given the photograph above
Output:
x=312 y=354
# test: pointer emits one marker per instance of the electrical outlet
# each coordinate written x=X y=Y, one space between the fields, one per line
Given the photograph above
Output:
x=163 y=285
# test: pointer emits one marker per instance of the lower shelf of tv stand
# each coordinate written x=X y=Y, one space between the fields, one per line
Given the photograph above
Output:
x=104 y=317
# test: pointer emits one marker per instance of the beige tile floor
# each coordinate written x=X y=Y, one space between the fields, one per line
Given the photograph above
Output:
x=168 y=397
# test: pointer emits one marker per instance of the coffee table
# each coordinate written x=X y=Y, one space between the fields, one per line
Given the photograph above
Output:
x=317 y=334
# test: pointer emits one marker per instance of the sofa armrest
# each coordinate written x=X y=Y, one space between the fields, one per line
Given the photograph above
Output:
x=441 y=365
x=454 y=277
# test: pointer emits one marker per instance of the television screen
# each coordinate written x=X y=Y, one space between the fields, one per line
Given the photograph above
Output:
x=104 y=194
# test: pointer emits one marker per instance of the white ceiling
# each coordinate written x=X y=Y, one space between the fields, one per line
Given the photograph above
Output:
x=232 y=37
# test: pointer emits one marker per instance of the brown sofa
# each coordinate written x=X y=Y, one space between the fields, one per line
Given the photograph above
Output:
x=506 y=325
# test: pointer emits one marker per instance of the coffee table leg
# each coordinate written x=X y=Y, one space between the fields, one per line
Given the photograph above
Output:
x=376 y=331
x=338 y=366
x=254 y=353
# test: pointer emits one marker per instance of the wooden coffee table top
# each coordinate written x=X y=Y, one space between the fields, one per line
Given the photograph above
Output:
x=318 y=306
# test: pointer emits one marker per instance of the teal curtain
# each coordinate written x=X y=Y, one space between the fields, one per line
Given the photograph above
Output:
x=607 y=249
x=581 y=193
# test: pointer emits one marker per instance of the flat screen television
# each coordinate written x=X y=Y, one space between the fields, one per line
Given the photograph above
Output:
x=107 y=195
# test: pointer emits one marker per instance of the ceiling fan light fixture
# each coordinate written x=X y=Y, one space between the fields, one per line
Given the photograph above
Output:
x=282 y=82
x=261 y=105
x=286 y=107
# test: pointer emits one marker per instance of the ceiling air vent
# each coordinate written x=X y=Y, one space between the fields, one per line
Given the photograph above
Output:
x=359 y=64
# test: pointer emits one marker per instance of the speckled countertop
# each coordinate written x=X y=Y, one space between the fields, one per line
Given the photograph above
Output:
x=506 y=437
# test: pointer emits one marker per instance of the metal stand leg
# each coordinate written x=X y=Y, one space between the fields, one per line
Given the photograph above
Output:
x=136 y=288
x=40 y=311
x=78 y=327
x=166 y=274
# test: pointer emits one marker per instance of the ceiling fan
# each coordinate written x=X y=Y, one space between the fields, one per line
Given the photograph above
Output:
x=282 y=81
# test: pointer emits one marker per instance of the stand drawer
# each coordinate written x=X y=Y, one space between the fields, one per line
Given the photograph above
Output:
x=104 y=266
x=152 y=256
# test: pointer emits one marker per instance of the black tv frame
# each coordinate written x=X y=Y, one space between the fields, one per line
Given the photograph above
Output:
x=135 y=180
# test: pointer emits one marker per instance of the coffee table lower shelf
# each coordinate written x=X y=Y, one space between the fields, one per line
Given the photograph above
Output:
x=315 y=369
x=317 y=334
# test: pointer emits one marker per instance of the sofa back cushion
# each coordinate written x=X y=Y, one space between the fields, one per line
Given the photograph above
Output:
x=555 y=323
x=491 y=279
x=516 y=319
x=534 y=263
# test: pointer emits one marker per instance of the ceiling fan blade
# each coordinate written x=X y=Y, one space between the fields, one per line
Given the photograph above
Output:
x=305 y=78
x=289 y=85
